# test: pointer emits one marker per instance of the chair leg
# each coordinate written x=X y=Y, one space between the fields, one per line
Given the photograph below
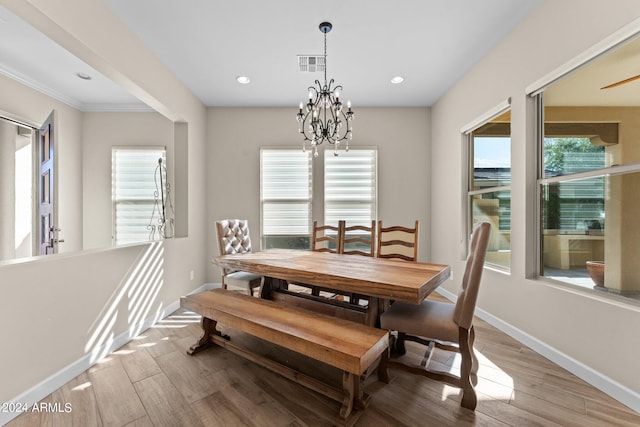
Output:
x=399 y=347
x=474 y=358
x=469 y=398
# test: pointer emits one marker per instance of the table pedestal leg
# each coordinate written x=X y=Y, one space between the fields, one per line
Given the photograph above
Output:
x=269 y=285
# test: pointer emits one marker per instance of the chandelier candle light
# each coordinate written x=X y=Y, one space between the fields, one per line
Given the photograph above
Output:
x=323 y=118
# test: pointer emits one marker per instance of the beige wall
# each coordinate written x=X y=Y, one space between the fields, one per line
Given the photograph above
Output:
x=51 y=307
x=577 y=324
x=234 y=138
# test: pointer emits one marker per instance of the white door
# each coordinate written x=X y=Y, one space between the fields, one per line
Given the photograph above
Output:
x=47 y=226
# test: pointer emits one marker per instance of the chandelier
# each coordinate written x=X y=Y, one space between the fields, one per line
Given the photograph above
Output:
x=323 y=118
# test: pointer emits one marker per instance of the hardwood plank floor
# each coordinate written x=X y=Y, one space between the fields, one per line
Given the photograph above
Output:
x=152 y=382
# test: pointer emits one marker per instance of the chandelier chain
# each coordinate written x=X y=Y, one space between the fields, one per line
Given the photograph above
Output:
x=325 y=59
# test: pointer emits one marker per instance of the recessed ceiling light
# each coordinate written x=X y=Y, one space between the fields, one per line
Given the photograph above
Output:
x=83 y=76
x=397 y=80
x=243 y=80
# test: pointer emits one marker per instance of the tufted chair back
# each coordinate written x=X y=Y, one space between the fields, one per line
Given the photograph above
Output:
x=233 y=236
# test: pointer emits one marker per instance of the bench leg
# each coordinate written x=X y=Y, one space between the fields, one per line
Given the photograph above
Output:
x=208 y=329
x=383 y=374
x=354 y=400
x=349 y=384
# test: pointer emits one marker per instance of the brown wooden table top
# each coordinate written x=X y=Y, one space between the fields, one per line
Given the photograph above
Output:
x=374 y=277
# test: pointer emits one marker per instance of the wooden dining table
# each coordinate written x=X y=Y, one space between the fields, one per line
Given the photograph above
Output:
x=378 y=280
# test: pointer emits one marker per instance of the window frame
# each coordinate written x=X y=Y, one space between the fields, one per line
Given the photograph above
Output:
x=152 y=201
x=310 y=200
x=328 y=154
x=542 y=180
x=468 y=191
x=317 y=175
x=535 y=92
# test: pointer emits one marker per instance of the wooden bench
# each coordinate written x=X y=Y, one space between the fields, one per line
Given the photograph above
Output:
x=348 y=346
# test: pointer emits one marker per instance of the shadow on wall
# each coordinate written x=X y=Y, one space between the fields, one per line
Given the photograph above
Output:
x=136 y=294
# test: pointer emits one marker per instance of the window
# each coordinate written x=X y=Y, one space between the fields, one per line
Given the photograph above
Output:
x=588 y=176
x=350 y=187
x=489 y=184
x=349 y=192
x=285 y=197
x=134 y=191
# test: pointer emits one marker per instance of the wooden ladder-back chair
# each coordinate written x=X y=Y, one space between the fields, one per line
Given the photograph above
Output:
x=398 y=242
x=327 y=238
x=444 y=325
x=359 y=240
x=233 y=238
x=362 y=236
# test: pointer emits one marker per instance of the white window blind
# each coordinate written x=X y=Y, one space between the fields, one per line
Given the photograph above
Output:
x=134 y=190
x=350 y=187
x=285 y=192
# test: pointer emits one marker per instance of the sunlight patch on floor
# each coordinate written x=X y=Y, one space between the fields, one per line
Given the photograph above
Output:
x=493 y=382
x=82 y=386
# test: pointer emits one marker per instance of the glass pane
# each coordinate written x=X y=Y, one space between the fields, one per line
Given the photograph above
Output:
x=137 y=183
x=350 y=187
x=353 y=213
x=46 y=150
x=45 y=224
x=134 y=221
x=573 y=207
x=285 y=174
x=46 y=187
x=590 y=233
x=564 y=156
x=286 y=242
x=286 y=219
x=496 y=208
x=491 y=145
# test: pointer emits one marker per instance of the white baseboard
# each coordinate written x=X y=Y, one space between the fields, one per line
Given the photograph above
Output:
x=69 y=372
x=603 y=383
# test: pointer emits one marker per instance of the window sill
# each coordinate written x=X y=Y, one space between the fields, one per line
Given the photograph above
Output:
x=601 y=294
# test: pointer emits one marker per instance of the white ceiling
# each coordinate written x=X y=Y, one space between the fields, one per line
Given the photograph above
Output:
x=208 y=43
x=34 y=60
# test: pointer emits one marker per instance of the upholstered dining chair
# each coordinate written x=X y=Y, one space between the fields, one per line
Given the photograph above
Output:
x=398 y=242
x=233 y=238
x=444 y=325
